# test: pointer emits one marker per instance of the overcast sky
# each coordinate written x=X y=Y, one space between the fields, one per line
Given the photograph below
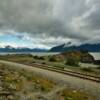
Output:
x=46 y=23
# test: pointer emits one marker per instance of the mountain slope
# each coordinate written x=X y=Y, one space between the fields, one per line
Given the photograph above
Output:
x=88 y=47
x=57 y=48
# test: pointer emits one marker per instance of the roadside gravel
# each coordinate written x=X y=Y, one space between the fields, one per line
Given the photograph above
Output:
x=76 y=83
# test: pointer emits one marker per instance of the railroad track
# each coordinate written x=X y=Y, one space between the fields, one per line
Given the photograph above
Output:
x=68 y=72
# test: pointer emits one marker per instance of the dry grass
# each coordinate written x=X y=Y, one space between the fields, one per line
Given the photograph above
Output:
x=69 y=94
x=22 y=83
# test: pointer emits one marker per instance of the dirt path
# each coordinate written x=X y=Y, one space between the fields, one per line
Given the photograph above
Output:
x=73 y=82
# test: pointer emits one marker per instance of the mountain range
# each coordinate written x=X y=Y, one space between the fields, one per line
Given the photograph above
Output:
x=59 y=48
x=86 y=47
x=12 y=49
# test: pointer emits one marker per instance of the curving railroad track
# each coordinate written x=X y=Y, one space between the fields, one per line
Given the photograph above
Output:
x=65 y=71
x=68 y=72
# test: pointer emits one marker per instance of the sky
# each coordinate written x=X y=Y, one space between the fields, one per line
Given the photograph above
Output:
x=47 y=23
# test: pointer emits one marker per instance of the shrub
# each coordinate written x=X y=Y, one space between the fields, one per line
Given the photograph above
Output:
x=34 y=62
x=72 y=61
x=43 y=62
x=98 y=67
x=41 y=58
x=87 y=69
x=52 y=59
x=30 y=55
x=35 y=57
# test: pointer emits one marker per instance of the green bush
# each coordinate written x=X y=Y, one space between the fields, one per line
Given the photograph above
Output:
x=33 y=62
x=35 y=57
x=39 y=58
x=87 y=69
x=98 y=67
x=72 y=61
x=52 y=59
x=43 y=62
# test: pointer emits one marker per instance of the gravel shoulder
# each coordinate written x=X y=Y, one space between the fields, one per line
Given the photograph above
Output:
x=76 y=83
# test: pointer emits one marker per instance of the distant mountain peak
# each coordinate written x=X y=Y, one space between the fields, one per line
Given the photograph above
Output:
x=58 y=48
x=68 y=44
x=9 y=47
x=21 y=49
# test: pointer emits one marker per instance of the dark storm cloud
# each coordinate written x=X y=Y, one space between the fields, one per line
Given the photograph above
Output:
x=71 y=19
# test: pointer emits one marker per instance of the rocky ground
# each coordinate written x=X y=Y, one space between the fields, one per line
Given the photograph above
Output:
x=20 y=84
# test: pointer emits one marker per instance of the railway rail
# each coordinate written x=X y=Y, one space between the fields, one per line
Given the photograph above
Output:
x=65 y=71
x=68 y=72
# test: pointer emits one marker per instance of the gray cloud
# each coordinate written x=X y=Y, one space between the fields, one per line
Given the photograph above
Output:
x=77 y=20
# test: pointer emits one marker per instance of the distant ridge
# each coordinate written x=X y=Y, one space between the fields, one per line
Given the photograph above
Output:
x=88 y=47
x=57 y=48
x=12 y=49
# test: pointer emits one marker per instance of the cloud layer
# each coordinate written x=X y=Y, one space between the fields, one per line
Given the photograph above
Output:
x=50 y=21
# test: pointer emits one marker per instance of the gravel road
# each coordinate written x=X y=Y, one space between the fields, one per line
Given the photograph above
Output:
x=77 y=83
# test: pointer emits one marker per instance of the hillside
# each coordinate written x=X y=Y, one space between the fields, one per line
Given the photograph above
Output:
x=86 y=47
x=82 y=56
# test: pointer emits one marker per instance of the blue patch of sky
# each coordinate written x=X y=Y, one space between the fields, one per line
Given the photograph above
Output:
x=8 y=38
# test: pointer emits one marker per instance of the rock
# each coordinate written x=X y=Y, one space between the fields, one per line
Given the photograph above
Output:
x=10 y=97
x=87 y=58
x=84 y=57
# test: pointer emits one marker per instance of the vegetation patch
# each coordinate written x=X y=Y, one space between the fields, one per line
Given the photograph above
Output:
x=68 y=60
x=70 y=94
x=52 y=59
x=19 y=84
x=98 y=67
x=87 y=69
x=72 y=62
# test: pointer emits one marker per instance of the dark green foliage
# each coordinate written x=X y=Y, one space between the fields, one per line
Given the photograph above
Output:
x=43 y=62
x=35 y=57
x=84 y=51
x=72 y=61
x=39 y=57
x=33 y=62
x=87 y=69
x=52 y=59
x=98 y=67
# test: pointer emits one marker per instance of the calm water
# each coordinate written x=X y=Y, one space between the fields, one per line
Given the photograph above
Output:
x=33 y=53
x=96 y=55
